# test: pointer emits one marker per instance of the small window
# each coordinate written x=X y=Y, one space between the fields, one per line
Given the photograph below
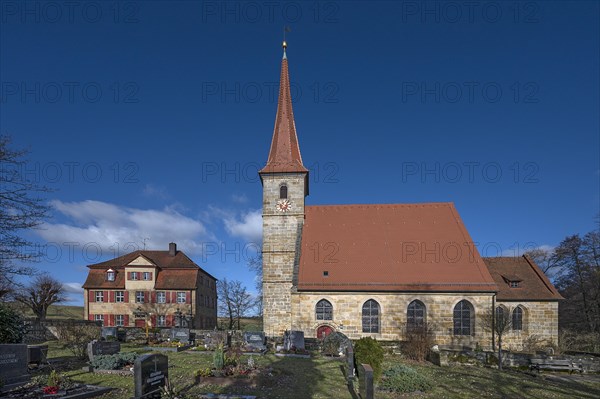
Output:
x=324 y=310
x=119 y=320
x=110 y=275
x=139 y=296
x=147 y=276
x=326 y=273
x=514 y=284
x=161 y=321
x=161 y=297
x=119 y=296
x=99 y=317
x=181 y=297
x=283 y=192
x=134 y=276
x=99 y=296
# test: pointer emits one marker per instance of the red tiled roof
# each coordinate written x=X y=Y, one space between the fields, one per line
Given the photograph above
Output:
x=284 y=155
x=173 y=272
x=396 y=247
x=533 y=283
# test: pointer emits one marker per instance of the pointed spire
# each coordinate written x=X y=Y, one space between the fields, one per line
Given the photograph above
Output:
x=284 y=155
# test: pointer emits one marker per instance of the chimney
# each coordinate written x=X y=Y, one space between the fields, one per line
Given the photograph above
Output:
x=172 y=249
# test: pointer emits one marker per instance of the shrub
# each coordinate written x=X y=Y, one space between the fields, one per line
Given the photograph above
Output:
x=419 y=340
x=219 y=358
x=76 y=336
x=570 y=340
x=334 y=343
x=12 y=327
x=113 y=362
x=368 y=351
x=401 y=378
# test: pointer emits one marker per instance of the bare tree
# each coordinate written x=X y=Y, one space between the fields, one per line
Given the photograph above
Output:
x=234 y=301
x=42 y=292
x=499 y=322
x=255 y=264
x=22 y=209
x=544 y=259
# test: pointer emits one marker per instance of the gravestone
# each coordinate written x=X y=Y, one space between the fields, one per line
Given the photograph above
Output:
x=37 y=353
x=365 y=382
x=293 y=339
x=349 y=362
x=150 y=372
x=108 y=332
x=13 y=365
x=181 y=334
x=96 y=348
x=255 y=340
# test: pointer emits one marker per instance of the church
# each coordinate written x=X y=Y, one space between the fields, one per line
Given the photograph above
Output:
x=376 y=270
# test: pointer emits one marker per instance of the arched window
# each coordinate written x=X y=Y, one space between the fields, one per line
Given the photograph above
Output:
x=110 y=275
x=415 y=315
x=283 y=192
x=370 y=316
x=463 y=321
x=499 y=314
x=517 y=319
x=324 y=310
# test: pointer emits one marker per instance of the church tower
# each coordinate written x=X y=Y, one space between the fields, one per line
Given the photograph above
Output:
x=285 y=186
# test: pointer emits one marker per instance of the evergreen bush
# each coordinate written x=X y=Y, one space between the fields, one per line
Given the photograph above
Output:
x=12 y=326
x=368 y=351
x=404 y=379
x=113 y=362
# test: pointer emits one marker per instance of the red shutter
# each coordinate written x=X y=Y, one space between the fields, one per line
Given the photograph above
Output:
x=91 y=297
x=138 y=275
x=111 y=320
x=129 y=276
x=91 y=317
x=105 y=296
x=126 y=320
x=153 y=297
x=167 y=297
x=153 y=320
x=169 y=320
x=112 y=296
x=106 y=320
x=146 y=295
x=126 y=296
x=150 y=275
x=174 y=297
x=188 y=297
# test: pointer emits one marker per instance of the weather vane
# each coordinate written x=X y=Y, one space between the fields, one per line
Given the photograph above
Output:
x=286 y=29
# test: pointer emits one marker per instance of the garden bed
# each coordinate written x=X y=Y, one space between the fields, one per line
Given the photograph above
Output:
x=168 y=348
x=78 y=392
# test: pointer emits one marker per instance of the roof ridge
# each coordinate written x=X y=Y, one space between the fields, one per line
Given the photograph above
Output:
x=381 y=205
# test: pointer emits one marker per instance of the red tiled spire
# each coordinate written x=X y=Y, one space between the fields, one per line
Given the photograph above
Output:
x=284 y=155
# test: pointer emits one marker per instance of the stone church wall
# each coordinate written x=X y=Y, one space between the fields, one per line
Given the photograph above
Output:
x=540 y=324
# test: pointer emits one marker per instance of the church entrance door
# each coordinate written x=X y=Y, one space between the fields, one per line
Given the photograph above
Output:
x=324 y=331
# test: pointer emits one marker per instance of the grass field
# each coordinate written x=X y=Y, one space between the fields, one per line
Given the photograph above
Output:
x=324 y=378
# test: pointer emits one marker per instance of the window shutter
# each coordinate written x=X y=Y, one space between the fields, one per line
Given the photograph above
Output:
x=146 y=296
x=153 y=297
x=126 y=296
x=112 y=296
x=91 y=317
x=106 y=320
x=188 y=297
x=91 y=296
x=126 y=320
x=153 y=320
x=169 y=320
x=150 y=275
x=167 y=297
x=174 y=297
x=112 y=320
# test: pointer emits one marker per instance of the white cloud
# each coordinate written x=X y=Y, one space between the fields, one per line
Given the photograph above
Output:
x=248 y=227
x=150 y=190
x=239 y=199
x=72 y=288
x=520 y=250
x=108 y=226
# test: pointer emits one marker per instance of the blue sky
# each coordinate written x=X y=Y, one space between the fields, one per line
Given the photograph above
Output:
x=151 y=118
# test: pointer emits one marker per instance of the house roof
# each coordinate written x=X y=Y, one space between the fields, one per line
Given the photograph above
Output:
x=284 y=155
x=396 y=247
x=533 y=283
x=173 y=272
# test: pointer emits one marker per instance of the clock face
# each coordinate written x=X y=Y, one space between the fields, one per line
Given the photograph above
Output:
x=284 y=205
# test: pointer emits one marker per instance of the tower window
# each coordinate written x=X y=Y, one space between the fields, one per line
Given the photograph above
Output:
x=283 y=192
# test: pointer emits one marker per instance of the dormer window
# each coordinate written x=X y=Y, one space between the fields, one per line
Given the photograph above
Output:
x=513 y=284
x=283 y=192
x=110 y=275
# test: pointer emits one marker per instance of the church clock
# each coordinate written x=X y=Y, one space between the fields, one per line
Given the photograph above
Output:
x=284 y=205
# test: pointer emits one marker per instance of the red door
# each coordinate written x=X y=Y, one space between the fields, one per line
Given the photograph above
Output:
x=324 y=331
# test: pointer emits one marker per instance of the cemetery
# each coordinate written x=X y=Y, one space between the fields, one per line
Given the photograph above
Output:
x=246 y=364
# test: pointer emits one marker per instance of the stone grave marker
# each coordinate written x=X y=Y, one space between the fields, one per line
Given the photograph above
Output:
x=365 y=383
x=96 y=348
x=13 y=365
x=293 y=339
x=108 y=332
x=256 y=340
x=180 y=333
x=150 y=372
x=349 y=362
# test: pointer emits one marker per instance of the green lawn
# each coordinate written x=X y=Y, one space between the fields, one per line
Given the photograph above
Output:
x=323 y=378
